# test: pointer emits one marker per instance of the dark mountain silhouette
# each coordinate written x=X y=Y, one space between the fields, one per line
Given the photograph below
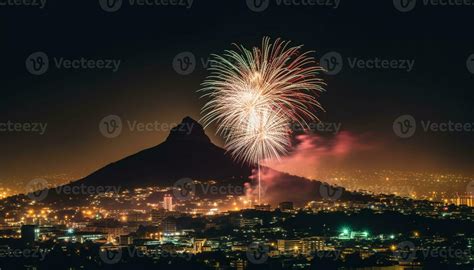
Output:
x=189 y=153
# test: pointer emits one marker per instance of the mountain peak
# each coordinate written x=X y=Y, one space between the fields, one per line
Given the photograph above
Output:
x=188 y=130
x=188 y=119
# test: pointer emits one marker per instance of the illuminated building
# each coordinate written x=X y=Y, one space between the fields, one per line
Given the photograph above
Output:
x=198 y=245
x=239 y=264
x=312 y=244
x=348 y=234
x=301 y=246
x=168 y=202
x=465 y=200
x=289 y=246
x=81 y=237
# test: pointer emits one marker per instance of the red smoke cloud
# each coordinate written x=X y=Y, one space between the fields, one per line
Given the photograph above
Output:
x=267 y=177
x=278 y=187
x=283 y=180
x=311 y=152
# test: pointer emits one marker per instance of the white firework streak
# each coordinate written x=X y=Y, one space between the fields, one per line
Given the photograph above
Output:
x=265 y=134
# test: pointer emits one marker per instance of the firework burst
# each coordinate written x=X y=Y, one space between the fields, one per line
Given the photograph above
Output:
x=255 y=95
x=265 y=133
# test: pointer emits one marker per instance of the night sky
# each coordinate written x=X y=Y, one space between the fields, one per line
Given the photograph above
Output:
x=146 y=87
